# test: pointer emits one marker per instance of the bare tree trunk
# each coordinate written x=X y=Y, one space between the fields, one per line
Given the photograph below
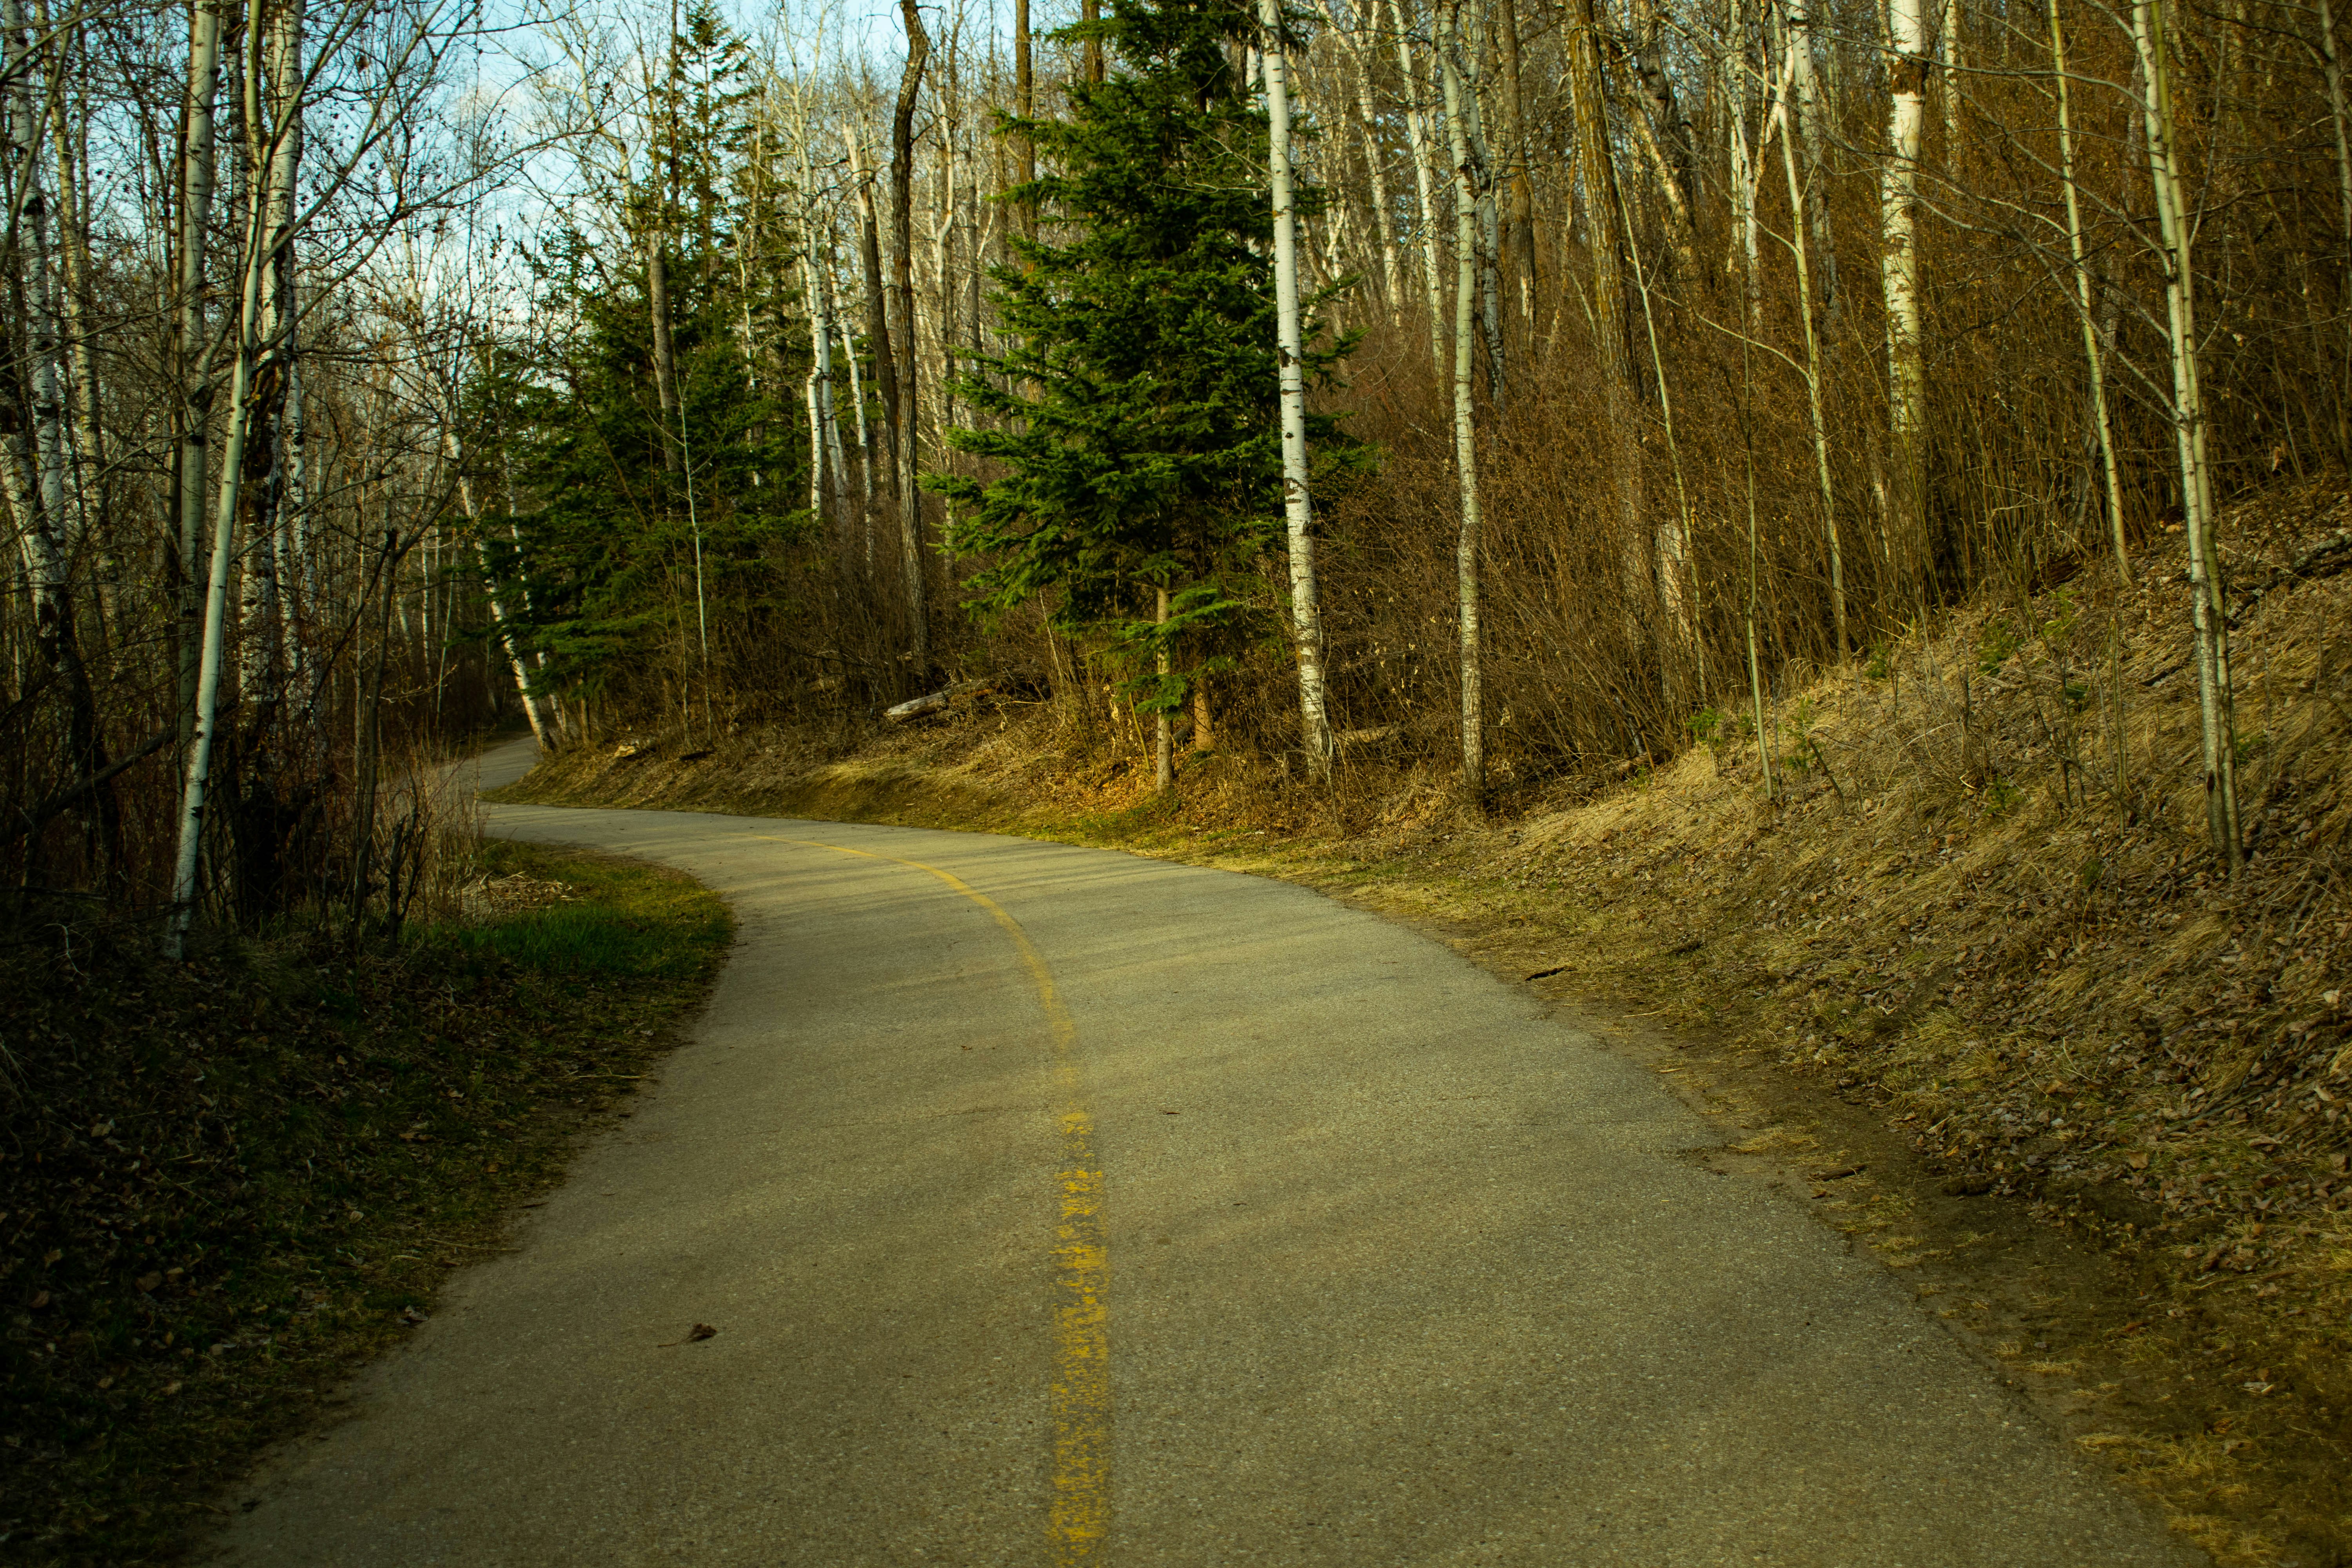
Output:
x=194 y=794
x=88 y=456
x=878 y=325
x=902 y=199
x=1907 y=373
x=1746 y=237
x=1299 y=511
x=1602 y=204
x=498 y=616
x=1812 y=122
x=656 y=247
x=1024 y=105
x=1814 y=377
x=1951 y=87
x=1359 y=52
x=1670 y=540
x=2212 y=629
x=1163 y=729
x=194 y=368
x=1424 y=173
x=273 y=128
x=1519 y=189
x=1679 y=157
x=1465 y=419
x=2092 y=357
x=1490 y=279
x=42 y=513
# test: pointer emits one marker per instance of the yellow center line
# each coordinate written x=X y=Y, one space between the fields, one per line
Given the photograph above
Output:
x=1081 y=1520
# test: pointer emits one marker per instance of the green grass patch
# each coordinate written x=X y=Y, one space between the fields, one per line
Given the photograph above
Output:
x=617 y=921
x=225 y=1185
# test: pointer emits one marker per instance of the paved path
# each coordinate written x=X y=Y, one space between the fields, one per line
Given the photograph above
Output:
x=1059 y=1207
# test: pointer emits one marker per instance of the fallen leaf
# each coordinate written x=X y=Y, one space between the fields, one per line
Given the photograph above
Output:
x=40 y=1300
x=2137 y=1161
x=147 y=1282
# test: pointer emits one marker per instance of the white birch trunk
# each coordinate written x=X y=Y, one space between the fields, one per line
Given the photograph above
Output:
x=1951 y=84
x=196 y=177
x=1466 y=427
x=194 y=796
x=498 y=617
x=2212 y=631
x=1297 y=505
x=36 y=473
x=1812 y=122
x=1899 y=277
x=1490 y=271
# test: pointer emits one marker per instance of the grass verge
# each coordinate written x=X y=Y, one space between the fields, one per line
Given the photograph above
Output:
x=224 y=1186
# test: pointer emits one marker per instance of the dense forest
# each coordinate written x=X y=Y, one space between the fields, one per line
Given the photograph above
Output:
x=1535 y=385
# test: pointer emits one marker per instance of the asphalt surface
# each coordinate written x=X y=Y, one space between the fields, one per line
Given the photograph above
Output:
x=1074 y=1207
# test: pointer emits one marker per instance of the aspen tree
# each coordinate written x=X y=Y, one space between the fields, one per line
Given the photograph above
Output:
x=877 y=328
x=1490 y=283
x=195 y=790
x=1424 y=174
x=1812 y=367
x=193 y=342
x=499 y=620
x=1907 y=376
x=1812 y=124
x=1676 y=160
x=1358 y=52
x=1521 y=244
x=1601 y=212
x=1297 y=505
x=902 y=198
x=1746 y=239
x=2149 y=29
x=1465 y=419
x=2092 y=357
x=656 y=242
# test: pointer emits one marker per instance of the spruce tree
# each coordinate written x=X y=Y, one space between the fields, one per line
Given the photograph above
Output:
x=1132 y=429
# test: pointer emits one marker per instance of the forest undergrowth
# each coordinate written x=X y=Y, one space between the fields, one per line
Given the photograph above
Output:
x=1948 y=913
x=226 y=1183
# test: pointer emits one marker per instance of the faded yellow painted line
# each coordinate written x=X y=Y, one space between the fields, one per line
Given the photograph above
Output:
x=1079 y=1522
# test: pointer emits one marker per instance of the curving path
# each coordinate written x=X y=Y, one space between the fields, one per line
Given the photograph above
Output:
x=1055 y=1206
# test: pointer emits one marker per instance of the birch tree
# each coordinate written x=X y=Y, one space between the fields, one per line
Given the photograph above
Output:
x=1906 y=376
x=2174 y=229
x=1465 y=420
x=1298 y=511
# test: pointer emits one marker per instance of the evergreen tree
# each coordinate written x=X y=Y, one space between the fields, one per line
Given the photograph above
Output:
x=1133 y=424
x=614 y=544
